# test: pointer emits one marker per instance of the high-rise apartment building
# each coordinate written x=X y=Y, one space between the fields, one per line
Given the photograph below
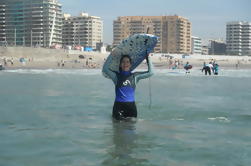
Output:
x=205 y=50
x=174 y=32
x=196 y=45
x=82 y=30
x=238 y=38
x=217 y=47
x=31 y=22
x=2 y=23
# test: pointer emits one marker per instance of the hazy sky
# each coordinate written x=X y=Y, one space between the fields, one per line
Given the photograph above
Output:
x=208 y=17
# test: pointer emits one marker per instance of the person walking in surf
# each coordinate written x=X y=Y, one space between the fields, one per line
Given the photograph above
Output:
x=187 y=67
x=125 y=83
x=208 y=68
x=216 y=69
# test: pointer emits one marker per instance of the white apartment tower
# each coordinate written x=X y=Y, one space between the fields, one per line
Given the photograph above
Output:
x=31 y=22
x=83 y=30
x=196 y=45
x=238 y=38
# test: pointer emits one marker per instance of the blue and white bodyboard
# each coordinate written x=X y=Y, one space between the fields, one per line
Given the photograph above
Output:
x=136 y=46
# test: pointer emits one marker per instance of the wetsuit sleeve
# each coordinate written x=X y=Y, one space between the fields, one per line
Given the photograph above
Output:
x=111 y=74
x=146 y=74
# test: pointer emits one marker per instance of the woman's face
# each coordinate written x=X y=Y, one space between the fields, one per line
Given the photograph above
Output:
x=125 y=64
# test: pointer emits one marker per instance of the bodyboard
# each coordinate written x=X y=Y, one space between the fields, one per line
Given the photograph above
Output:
x=187 y=67
x=137 y=46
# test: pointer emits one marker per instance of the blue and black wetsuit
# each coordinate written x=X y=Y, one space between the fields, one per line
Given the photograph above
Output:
x=125 y=84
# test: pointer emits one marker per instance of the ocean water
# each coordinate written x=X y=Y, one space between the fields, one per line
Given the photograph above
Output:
x=63 y=118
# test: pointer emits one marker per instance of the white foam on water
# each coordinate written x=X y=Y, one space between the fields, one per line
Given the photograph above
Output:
x=178 y=119
x=220 y=119
x=56 y=71
x=242 y=73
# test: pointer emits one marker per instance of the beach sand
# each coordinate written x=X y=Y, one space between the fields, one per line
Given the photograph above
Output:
x=41 y=58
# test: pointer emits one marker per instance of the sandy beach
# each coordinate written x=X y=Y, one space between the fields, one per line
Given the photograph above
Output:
x=41 y=58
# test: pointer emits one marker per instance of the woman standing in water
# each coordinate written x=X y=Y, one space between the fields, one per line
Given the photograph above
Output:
x=125 y=83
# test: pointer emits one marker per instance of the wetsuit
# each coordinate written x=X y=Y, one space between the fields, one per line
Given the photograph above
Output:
x=125 y=84
x=216 y=69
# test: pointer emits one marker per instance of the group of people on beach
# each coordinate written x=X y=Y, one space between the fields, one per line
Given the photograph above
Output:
x=88 y=63
x=175 y=64
x=208 y=68
x=11 y=61
x=211 y=67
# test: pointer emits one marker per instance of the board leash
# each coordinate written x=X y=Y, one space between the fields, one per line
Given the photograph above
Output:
x=150 y=94
x=150 y=87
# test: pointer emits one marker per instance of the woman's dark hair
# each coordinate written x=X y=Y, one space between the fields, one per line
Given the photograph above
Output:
x=124 y=56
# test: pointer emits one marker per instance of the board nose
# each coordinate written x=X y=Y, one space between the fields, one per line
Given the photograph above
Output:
x=154 y=39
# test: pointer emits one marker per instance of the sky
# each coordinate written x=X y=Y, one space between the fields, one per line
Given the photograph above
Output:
x=208 y=17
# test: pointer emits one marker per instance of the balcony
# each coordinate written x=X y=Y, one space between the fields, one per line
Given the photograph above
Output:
x=37 y=11
x=37 y=26
x=37 y=7
x=37 y=16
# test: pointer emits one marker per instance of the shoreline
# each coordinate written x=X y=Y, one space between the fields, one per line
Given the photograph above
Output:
x=69 y=66
x=43 y=58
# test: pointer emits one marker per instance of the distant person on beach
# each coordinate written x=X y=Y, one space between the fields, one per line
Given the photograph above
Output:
x=5 y=61
x=62 y=63
x=187 y=67
x=208 y=68
x=125 y=83
x=212 y=61
x=237 y=65
x=1 y=66
x=12 y=61
x=170 y=63
x=216 y=69
x=176 y=65
x=213 y=68
x=204 y=64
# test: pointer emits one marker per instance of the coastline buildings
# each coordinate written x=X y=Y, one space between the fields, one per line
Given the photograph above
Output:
x=204 y=50
x=82 y=30
x=31 y=22
x=217 y=47
x=196 y=45
x=174 y=32
x=2 y=23
x=238 y=38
